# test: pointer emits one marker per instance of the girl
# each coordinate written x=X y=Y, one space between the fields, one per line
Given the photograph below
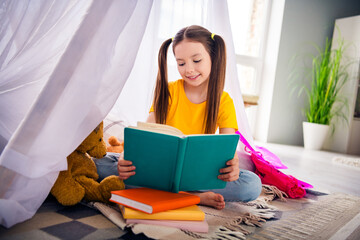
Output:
x=197 y=104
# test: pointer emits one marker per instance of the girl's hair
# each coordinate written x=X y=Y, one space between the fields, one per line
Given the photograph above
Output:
x=215 y=46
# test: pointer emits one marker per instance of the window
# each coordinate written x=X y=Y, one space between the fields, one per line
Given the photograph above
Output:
x=249 y=23
x=249 y=19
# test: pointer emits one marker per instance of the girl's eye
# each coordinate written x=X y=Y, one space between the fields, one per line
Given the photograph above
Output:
x=197 y=61
x=181 y=64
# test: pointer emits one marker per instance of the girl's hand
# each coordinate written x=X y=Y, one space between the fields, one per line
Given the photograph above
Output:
x=125 y=168
x=230 y=173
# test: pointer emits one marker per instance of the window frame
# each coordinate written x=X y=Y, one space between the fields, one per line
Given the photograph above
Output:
x=257 y=62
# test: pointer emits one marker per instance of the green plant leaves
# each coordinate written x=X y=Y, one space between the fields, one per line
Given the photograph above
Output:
x=328 y=75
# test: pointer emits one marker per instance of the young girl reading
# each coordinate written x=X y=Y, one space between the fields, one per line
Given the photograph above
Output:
x=197 y=104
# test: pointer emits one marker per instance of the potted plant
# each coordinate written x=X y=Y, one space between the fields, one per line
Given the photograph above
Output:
x=324 y=104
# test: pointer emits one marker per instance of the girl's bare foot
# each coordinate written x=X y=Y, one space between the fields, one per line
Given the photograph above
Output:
x=211 y=199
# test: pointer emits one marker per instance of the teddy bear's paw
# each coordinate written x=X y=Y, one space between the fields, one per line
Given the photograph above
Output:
x=110 y=183
x=68 y=194
x=92 y=190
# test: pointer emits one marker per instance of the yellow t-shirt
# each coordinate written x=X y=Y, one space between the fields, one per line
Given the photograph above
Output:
x=189 y=117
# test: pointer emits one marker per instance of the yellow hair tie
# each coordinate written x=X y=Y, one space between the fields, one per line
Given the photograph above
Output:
x=172 y=39
x=212 y=36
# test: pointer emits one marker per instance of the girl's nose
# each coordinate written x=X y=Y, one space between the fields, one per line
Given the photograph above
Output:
x=189 y=68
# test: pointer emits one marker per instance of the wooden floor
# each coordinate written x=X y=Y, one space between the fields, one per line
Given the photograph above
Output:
x=317 y=168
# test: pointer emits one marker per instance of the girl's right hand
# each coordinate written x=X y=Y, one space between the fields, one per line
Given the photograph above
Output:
x=125 y=168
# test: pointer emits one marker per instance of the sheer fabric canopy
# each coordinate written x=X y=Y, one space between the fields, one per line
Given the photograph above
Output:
x=166 y=18
x=67 y=65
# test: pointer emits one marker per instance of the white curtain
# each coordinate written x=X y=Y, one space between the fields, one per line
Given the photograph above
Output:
x=63 y=64
x=166 y=18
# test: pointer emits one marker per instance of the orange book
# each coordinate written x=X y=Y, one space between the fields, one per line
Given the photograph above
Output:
x=151 y=200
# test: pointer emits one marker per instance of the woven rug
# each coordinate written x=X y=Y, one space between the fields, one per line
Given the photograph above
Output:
x=348 y=161
x=334 y=216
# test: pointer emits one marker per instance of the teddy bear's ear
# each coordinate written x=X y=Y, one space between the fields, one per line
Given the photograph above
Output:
x=113 y=141
x=98 y=127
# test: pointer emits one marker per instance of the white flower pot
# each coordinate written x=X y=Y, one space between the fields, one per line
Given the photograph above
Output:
x=314 y=135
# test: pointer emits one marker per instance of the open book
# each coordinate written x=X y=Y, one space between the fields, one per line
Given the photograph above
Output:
x=168 y=160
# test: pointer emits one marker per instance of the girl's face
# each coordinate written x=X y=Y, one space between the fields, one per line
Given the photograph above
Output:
x=193 y=62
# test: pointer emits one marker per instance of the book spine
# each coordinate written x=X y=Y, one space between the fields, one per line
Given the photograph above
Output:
x=131 y=203
x=179 y=164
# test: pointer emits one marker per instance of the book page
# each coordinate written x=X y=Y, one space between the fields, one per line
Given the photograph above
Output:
x=159 y=128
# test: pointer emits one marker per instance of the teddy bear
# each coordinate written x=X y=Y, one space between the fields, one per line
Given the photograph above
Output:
x=78 y=182
x=115 y=145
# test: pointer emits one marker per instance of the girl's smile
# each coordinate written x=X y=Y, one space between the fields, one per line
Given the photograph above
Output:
x=193 y=77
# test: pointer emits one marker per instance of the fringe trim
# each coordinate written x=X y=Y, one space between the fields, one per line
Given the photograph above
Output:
x=259 y=204
x=224 y=233
x=233 y=229
x=273 y=192
x=352 y=162
x=266 y=213
x=236 y=227
x=248 y=219
x=192 y=234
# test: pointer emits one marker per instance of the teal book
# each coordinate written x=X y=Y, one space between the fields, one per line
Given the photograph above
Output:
x=168 y=160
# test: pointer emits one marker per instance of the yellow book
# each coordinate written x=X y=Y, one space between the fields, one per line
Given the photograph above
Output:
x=193 y=213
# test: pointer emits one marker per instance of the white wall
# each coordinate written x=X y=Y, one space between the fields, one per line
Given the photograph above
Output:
x=303 y=22
x=346 y=137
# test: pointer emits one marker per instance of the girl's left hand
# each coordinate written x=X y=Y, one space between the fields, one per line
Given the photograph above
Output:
x=230 y=173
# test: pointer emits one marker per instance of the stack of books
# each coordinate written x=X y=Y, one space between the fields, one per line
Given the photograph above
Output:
x=171 y=162
x=157 y=207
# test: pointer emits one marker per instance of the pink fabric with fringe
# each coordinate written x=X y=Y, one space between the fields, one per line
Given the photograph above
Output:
x=267 y=165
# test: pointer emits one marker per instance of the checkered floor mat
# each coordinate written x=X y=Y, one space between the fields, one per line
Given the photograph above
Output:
x=54 y=221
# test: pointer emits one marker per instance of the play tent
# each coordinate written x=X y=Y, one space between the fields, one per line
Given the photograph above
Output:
x=66 y=65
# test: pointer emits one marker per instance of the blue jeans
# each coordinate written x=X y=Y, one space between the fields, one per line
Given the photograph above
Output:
x=246 y=188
